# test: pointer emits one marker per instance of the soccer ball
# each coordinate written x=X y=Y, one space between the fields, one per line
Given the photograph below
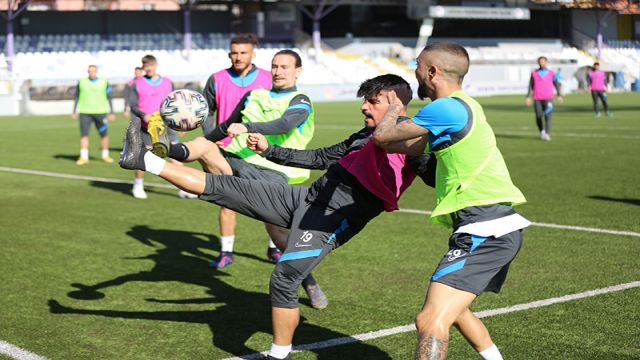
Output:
x=184 y=110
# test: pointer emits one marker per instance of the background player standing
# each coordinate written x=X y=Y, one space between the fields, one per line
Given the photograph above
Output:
x=542 y=84
x=597 y=82
x=93 y=102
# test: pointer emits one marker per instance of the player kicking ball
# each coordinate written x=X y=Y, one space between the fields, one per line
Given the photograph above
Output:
x=361 y=182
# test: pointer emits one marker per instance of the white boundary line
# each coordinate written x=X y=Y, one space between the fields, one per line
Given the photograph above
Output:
x=554 y=226
x=412 y=211
x=18 y=352
x=482 y=314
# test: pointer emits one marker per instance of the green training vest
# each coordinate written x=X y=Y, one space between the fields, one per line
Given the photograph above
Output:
x=472 y=171
x=264 y=106
x=93 y=96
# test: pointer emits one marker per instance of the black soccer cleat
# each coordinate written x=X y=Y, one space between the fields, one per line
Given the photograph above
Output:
x=133 y=150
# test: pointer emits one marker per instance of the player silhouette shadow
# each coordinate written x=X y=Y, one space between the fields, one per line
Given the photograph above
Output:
x=73 y=157
x=237 y=314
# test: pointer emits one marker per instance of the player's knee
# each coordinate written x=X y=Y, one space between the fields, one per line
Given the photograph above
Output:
x=429 y=321
x=283 y=287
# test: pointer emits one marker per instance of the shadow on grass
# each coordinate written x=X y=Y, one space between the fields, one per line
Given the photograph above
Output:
x=126 y=189
x=237 y=315
x=622 y=200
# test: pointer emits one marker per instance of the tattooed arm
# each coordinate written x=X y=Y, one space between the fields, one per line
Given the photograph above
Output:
x=389 y=131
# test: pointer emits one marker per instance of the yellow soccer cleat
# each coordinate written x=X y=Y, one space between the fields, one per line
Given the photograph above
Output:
x=159 y=135
x=82 y=161
x=107 y=159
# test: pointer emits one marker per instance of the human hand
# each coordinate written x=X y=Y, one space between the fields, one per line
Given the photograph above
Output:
x=393 y=99
x=146 y=117
x=74 y=116
x=257 y=143
x=236 y=129
x=111 y=117
x=126 y=114
x=560 y=99
x=527 y=101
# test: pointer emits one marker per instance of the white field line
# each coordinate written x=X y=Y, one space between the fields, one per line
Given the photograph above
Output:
x=169 y=186
x=554 y=226
x=17 y=352
x=80 y=177
x=481 y=314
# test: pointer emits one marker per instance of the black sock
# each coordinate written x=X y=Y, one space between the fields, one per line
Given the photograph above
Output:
x=309 y=281
x=179 y=151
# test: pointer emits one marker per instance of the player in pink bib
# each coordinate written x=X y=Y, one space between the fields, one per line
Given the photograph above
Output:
x=597 y=81
x=542 y=85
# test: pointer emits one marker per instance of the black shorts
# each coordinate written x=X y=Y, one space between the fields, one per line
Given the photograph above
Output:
x=100 y=120
x=245 y=170
x=477 y=264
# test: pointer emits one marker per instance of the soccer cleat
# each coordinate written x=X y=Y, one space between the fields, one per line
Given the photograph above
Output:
x=138 y=192
x=107 y=159
x=82 y=161
x=269 y=357
x=133 y=150
x=223 y=260
x=159 y=135
x=543 y=135
x=547 y=137
x=186 y=195
x=609 y=114
x=316 y=295
x=598 y=114
x=274 y=254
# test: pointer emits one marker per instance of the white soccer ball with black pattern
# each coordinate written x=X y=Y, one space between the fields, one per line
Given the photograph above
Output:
x=184 y=110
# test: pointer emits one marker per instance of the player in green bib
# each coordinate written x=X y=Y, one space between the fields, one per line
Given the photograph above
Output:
x=285 y=116
x=93 y=102
x=474 y=196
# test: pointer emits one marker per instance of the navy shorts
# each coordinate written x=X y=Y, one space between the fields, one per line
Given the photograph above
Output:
x=477 y=264
x=100 y=120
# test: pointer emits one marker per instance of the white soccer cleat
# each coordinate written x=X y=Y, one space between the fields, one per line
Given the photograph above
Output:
x=138 y=192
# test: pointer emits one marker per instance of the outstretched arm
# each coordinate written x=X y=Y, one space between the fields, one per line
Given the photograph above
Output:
x=309 y=159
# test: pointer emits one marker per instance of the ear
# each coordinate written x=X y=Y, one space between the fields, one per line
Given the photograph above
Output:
x=298 y=72
x=253 y=54
x=229 y=55
x=432 y=71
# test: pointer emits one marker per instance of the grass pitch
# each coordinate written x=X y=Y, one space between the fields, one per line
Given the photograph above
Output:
x=89 y=272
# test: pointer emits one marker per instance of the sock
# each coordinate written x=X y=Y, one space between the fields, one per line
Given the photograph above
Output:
x=138 y=183
x=279 y=351
x=491 y=353
x=153 y=163
x=84 y=153
x=227 y=242
x=272 y=245
x=178 y=151
x=105 y=153
x=309 y=281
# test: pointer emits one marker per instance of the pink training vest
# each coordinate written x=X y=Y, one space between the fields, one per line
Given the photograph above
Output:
x=150 y=96
x=543 y=86
x=384 y=175
x=230 y=88
x=597 y=80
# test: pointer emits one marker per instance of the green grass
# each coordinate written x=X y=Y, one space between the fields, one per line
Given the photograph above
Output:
x=89 y=272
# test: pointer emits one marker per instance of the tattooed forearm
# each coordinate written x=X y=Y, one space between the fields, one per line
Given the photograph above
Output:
x=387 y=123
x=431 y=348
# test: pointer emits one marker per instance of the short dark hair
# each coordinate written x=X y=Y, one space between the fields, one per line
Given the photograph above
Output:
x=455 y=63
x=139 y=68
x=370 y=88
x=290 y=53
x=246 y=38
x=543 y=57
x=596 y=64
x=149 y=59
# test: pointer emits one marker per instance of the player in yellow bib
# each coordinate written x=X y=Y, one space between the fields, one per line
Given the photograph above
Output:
x=93 y=103
x=474 y=196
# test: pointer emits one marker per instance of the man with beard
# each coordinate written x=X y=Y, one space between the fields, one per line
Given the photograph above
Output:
x=474 y=196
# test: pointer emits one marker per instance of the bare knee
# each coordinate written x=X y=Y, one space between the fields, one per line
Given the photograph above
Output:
x=430 y=322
